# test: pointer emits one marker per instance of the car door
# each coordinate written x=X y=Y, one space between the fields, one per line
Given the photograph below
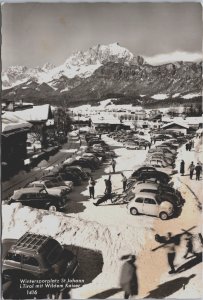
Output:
x=139 y=204
x=30 y=265
x=27 y=199
x=38 y=199
x=150 y=207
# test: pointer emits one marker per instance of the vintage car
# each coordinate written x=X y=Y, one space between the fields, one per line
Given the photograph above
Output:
x=150 y=204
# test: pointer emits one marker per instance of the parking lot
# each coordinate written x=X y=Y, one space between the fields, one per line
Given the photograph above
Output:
x=111 y=229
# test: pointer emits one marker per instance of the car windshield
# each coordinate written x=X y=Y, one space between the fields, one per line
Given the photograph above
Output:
x=49 y=184
x=53 y=251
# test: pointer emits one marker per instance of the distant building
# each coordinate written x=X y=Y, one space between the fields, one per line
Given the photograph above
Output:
x=176 y=127
x=107 y=124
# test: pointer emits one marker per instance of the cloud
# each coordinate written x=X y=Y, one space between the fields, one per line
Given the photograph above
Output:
x=173 y=57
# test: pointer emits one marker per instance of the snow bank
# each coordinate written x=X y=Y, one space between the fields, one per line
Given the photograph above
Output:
x=112 y=241
x=160 y=96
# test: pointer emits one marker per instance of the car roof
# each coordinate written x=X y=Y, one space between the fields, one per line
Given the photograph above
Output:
x=146 y=195
x=30 y=243
x=28 y=190
x=147 y=185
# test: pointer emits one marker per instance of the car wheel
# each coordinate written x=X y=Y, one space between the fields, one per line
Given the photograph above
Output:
x=134 y=211
x=163 y=215
x=52 y=208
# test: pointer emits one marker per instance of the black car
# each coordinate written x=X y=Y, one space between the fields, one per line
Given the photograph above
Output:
x=37 y=198
x=34 y=257
x=145 y=173
x=84 y=163
x=77 y=170
x=97 y=153
x=70 y=175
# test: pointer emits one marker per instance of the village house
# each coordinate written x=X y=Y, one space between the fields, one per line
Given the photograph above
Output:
x=176 y=127
x=13 y=142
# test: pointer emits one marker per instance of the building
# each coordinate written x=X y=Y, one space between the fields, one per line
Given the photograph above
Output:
x=13 y=142
x=107 y=124
x=42 y=119
x=176 y=127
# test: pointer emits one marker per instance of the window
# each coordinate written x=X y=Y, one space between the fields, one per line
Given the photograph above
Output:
x=149 y=201
x=39 y=185
x=26 y=196
x=30 y=261
x=149 y=191
x=13 y=256
x=23 y=197
x=139 y=200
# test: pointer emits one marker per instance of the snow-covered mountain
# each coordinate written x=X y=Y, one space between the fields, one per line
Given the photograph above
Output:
x=81 y=64
x=101 y=72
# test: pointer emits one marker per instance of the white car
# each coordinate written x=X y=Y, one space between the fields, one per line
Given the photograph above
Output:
x=57 y=180
x=50 y=188
x=131 y=146
x=148 y=204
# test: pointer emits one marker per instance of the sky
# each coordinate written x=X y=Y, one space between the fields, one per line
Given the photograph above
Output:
x=35 y=33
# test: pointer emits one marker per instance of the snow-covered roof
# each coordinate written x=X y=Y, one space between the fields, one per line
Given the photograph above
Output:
x=194 y=120
x=187 y=120
x=110 y=120
x=36 y=113
x=77 y=118
x=175 y=123
x=12 y=122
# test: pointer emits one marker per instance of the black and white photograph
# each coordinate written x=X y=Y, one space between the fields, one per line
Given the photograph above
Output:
x=101 y=150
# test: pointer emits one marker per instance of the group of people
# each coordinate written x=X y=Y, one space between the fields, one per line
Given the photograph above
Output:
x=172 y=242
x=108 y=186
x=192 y=168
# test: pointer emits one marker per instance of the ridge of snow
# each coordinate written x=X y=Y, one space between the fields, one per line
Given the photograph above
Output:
x=160 y=96
x=192 y=95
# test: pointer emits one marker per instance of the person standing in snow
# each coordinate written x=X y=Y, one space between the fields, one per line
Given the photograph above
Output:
x=189 y=246
x=124 y=180
x=113 y=163
x=182 y=167
x=91 y=187
x=198 y=170
x=171 y=252
x=191 y=168
x=128 y=278
x=108 y=186
x=107 y=192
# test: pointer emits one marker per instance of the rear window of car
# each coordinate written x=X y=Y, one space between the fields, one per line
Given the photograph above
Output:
x=54 y=255
x=149 y=191
x=13 y=256
x=149 y=201
x=26 y=196
x=27 y=260
x=139 y=200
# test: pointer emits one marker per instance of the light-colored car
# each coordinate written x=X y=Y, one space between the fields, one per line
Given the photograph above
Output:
x=49 y=187
x=58 y=181
x=131 y=146
x=148 y=204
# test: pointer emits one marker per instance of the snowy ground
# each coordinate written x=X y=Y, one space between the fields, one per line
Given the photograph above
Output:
x=113 y=231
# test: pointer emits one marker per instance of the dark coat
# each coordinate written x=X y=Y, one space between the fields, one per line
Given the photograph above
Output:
x=182 y=167
x=128 y=278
